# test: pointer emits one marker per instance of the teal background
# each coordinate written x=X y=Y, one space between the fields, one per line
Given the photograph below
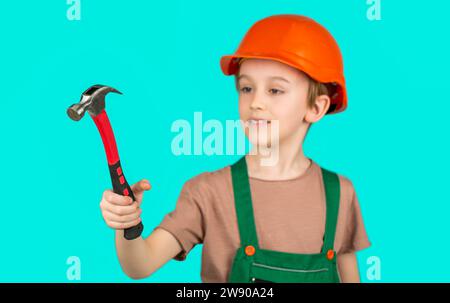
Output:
x=392 y=141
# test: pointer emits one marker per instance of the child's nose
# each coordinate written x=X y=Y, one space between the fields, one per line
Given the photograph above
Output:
x=258 y=103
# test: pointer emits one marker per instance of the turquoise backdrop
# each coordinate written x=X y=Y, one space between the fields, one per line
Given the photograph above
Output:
x=392 y=141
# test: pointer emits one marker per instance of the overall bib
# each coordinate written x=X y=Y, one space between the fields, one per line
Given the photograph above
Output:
x=253 y=264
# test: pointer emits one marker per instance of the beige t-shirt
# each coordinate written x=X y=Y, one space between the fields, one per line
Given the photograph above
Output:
x=289 y=217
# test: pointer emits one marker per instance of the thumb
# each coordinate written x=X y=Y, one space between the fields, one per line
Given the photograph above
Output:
x=138 y=189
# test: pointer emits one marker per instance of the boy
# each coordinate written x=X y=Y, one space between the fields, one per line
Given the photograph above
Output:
x=292 y=221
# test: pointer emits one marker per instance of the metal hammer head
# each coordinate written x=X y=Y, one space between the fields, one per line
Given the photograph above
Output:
x=92 y=100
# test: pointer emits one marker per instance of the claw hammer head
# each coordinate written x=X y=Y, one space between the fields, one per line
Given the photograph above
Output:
x=92 y=100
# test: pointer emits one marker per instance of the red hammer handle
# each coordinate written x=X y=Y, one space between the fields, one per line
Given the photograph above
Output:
x=121 y=187
x=119 y=183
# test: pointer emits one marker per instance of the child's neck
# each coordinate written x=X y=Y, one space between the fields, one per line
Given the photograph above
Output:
x=291 y=163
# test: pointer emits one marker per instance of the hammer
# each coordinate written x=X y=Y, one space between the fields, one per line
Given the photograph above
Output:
x=93 y=101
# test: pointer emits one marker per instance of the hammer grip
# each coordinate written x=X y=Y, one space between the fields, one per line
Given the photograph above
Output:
x=121 y=187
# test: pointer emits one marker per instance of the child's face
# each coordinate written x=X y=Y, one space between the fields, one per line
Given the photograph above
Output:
x=272 y=90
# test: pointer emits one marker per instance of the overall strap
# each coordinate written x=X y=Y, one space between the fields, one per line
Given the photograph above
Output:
x=332 y=193
x=243 y=203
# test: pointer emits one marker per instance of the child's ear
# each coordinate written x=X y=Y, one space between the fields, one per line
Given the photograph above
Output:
x=319 y=109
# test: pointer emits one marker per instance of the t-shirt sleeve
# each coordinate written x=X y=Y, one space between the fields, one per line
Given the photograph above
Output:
x=355 y=237
x=186 y=221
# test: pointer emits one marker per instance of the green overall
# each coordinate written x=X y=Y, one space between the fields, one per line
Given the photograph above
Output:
x=253 y=264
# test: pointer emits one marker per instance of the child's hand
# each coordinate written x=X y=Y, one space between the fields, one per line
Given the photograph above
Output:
x=120 y=212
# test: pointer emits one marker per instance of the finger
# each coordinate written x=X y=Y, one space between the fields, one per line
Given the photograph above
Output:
x=121 y=210
x=118 y=225
x=140 y=186
x=116 y=199
x=109 y=216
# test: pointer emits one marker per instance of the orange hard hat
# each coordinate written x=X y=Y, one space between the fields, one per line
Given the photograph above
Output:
x=297 y=41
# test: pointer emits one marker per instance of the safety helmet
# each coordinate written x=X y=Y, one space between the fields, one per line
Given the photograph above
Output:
x=297 y=41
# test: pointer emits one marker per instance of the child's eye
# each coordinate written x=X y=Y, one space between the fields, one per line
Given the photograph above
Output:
x=246 y=89
x=275 y=91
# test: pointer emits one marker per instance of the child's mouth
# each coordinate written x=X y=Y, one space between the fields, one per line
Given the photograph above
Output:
x=257 y=122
